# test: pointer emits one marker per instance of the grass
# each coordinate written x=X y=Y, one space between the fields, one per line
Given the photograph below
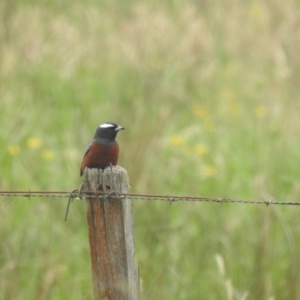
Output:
x=209 y=95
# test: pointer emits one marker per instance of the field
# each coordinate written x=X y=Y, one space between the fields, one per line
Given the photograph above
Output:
x=209 y=94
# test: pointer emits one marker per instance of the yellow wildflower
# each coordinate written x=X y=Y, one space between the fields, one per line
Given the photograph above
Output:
x=260 y=111
x=209 y=170
x=14 y=150
x=200 y=111
x=200 y=149
x=256 y=10
x=47 y=155
x=177 y=141
x=34 y=143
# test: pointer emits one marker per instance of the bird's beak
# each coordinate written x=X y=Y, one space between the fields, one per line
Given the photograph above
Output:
x=119 y=128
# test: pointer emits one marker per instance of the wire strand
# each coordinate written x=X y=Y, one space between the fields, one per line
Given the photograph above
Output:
x=149 y=197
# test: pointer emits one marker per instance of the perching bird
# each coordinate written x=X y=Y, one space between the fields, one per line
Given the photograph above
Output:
x=103 y=150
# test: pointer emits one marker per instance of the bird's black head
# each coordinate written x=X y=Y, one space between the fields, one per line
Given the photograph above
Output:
x=107 y=132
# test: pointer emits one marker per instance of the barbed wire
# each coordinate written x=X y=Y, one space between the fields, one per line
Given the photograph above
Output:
x=102 y=195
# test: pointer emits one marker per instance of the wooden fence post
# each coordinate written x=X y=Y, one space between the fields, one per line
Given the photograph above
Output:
x=111 y=236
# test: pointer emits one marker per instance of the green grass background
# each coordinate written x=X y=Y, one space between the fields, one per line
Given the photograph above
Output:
x=209 y=94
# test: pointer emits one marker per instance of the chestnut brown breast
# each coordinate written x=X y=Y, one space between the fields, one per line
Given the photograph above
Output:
x=100 y=156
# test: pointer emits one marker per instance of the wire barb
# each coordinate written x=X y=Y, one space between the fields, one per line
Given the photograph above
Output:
x=71 y=197
x=171 y=199
x=28 y=195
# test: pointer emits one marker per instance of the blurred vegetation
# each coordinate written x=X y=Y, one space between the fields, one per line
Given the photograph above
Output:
x=209 y=94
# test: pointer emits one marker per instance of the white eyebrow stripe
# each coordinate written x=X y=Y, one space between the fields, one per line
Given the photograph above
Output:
x=105 y=125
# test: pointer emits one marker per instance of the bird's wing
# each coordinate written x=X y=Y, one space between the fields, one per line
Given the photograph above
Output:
x=88 y=148
x=85 y=153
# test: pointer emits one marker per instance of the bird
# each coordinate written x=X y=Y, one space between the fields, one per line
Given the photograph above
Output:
x=103 y=149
